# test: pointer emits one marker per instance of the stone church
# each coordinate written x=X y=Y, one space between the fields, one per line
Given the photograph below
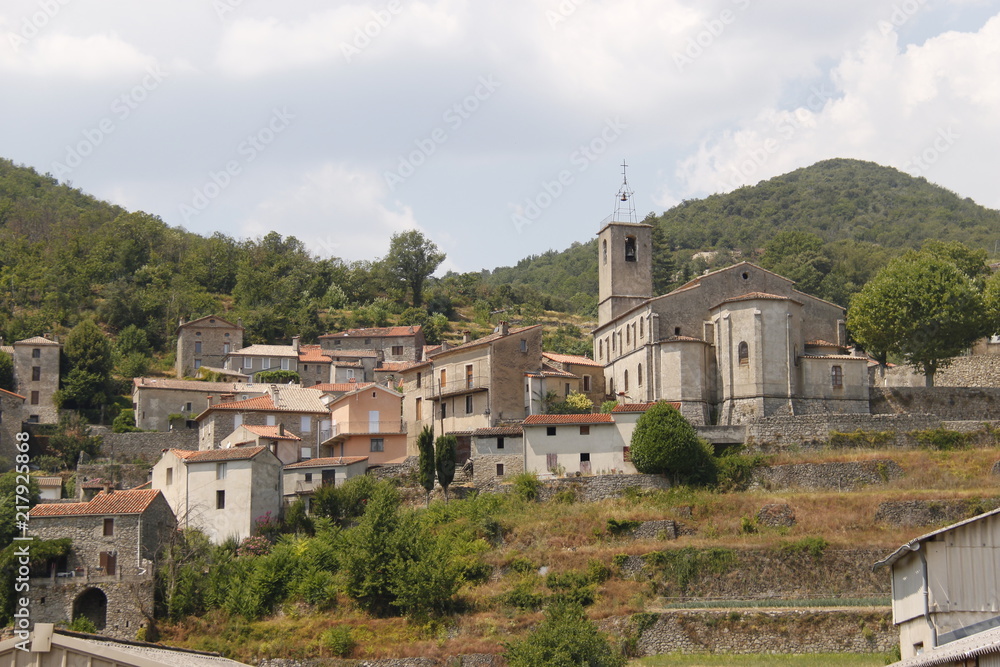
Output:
x=730 y=346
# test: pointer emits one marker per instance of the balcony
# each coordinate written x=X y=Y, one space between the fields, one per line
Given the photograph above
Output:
x=344 y=429
x=462 y=385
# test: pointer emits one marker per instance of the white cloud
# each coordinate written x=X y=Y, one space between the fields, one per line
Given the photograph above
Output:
x=336 y=211
x=62 y=56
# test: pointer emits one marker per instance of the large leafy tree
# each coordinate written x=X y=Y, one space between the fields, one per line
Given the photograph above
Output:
x=87 y=385
x=665 y=443
x=7 y=372
x=922 y=308
x=411 y=260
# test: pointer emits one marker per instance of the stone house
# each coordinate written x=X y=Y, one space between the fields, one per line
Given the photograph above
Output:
x=257 y=358
x=946 y=587
x=205 y=342
x=108 y=574
x=367 y=422
x=497 y=452
x=477 y=384
x=155 y=399
x=36 y=377
x=730 y=346
x=548 y=384
x=281 y=442
x=352 y=365
x=221 y=492
x=300 y=410
x=11 y=413
x=303 y=478
x=390 y=343
x=590 y=372
x=314 y=366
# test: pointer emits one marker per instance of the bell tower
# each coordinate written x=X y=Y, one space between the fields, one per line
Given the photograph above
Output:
x=625 y=262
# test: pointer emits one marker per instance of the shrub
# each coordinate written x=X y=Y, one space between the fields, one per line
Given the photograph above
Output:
x=125 y=422
x=814 y=546
x=278 y=377
x=82 y=624
x=339 y=641
x=618 y=528
x=526 y=486
x=523 y=596
x=943 y=439
x=735 y=471
x=521 y=565
x=665 y=443
x=566 y=638
x=870 y=439
x=565 y=497
x=255 y=545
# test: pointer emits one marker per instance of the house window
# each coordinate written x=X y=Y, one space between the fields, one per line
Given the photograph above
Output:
x=677 y=331
x=378 y=445
x=418 y=410
x=187 y=407
x=309 y=477
x=109 y=527
x=419 y=378
x=586 y=383
x=630 y=249
x=368 y=341
x=108 y=560
x=638 y=375
x=444 y=410
x=225 y=347
x=500 y=443
x=220 y=471
x=499 y=470
x=350 y=373
x=250 y=362
x=444 y=378
x=628 y=337
x=469 y=381
x=550 y=430
x=286 y=364
x=197 y=347
x=837 y=376
x=305 y=368
x=585 y=429
x=306 y=453
x=336 y=343
x=524 y=345
x=34 y=398
x=743 y=353
x=36 y=373
x=170 y=476
x=197 y=363
x=36 y=353
x=220 y=500
x=584 y=457
x=626 y=381
x=566 y=389
x=397 y=350
x=33 y=419
x=270 y=420
x=306 y=424
x=468 y=405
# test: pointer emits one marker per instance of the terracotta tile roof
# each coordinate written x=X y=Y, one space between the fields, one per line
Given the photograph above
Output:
x=496 y=335
x=348 y=364
x=208 y=318
x=639 y=407
x=376 y=332
x=847 y=357
x=823 y=343
x=510 y=429
x=396 y=366
x=4 y=392
x=116 y=502
x=339 y=387
x=551 y=420
x=355 y=354
x=143 y=486
x=9 y=349
x=327 y=462
x=49 y=482
x=265 y=351
x=271 y=432
x=553 y=372
x=571 y=359
x=290 y=399
x=36 y=340
x=312 y=354
x=209 y=455
x=195 y=385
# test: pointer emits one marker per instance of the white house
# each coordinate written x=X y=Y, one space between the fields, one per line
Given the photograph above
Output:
x=222 y=492
x=946 y=587
x=303 y=478
x=570 y=444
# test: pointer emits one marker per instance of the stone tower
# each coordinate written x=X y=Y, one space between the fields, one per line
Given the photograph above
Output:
x=625 y=262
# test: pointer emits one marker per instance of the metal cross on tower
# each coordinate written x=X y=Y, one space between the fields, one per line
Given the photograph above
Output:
x=624 y=206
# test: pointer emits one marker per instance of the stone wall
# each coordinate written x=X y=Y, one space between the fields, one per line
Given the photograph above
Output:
x=841 y=476
x=981 y=370
x=484 y=468
x=932 y=512
x=947 y=403
x=600 y=487
x=145 y=446
x=129 y=599
x=784 y=631
x=813 y=431
x=121 y=475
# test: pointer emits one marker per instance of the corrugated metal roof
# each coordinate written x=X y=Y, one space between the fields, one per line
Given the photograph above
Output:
x=984 y=643
x=914 y=544
x=116 y=502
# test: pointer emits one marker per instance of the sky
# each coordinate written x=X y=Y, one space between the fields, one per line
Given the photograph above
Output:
x=497 y=129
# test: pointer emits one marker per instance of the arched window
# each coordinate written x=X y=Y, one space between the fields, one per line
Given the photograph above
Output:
x=604 y=247
x=837 y=376
x=630 y=249
x=600 y=349
x=743 y=353
x=611 y=386
x=613 y=344
x=626 y=381
x=642 y=334
x=638 y=376
x=628 y=338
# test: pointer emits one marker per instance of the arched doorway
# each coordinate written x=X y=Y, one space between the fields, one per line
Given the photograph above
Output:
x=92 y=604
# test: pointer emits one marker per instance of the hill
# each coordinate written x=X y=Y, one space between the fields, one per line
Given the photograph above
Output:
x=850 y=214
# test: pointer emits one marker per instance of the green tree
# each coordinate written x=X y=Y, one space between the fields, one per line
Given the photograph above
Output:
x=370 y=549
x=278 y=377
x=7 y=372
x=922 y=308
x=565 y=638
x=445 y=452
x=87 y=385
x=411 y=260
x=425 y=468
x=800 y=256
x=125 y=422
x=9 y=499
x=665 y=443
x=71 y=439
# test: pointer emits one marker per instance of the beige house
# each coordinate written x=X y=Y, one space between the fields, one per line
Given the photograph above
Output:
x=300 y=410
x=549 y=384
x=205 y=342
x=390 y=343
x=36 y=377
x=281 y=442
x=367 y=422
x=256 y=358
x=590 y=372
x=730 y=346
x=303 y=478
x=946 y=588
x=474 y=385
x=155 y=399
x=221 y=492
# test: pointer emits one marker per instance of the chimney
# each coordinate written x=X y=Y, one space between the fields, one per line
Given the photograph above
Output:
x=47 y=335
x=504 y=328
x=226 y=398
x=281 y=428
x=295 y=344
x=107 y=488
x=181 y=322
x=466 y=336
x=209 y=400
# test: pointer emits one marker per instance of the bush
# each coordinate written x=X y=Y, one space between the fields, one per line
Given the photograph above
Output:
x=943 y=439
x=566 y=638
x=278 y=377
x=526 y=486
x=339 y=641
x=125 y=422
x=82 y=624
x=735 y=471
x=665 y=443
x=814 y=546
x=618 y=528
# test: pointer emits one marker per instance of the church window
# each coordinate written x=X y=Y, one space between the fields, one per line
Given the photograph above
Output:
x=630 y=250
x=743 y=353
x=641 y=332
x=837 y=376
x=626 y=381
x=613 y=347
x=628 y=331
x=638 y=376
x=600 y=349
x=604 y=246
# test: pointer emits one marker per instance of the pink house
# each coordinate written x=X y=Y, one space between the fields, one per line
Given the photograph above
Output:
x=367 y=422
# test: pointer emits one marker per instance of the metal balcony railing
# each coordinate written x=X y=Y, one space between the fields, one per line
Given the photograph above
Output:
x=364 y=427
x=435 y=388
